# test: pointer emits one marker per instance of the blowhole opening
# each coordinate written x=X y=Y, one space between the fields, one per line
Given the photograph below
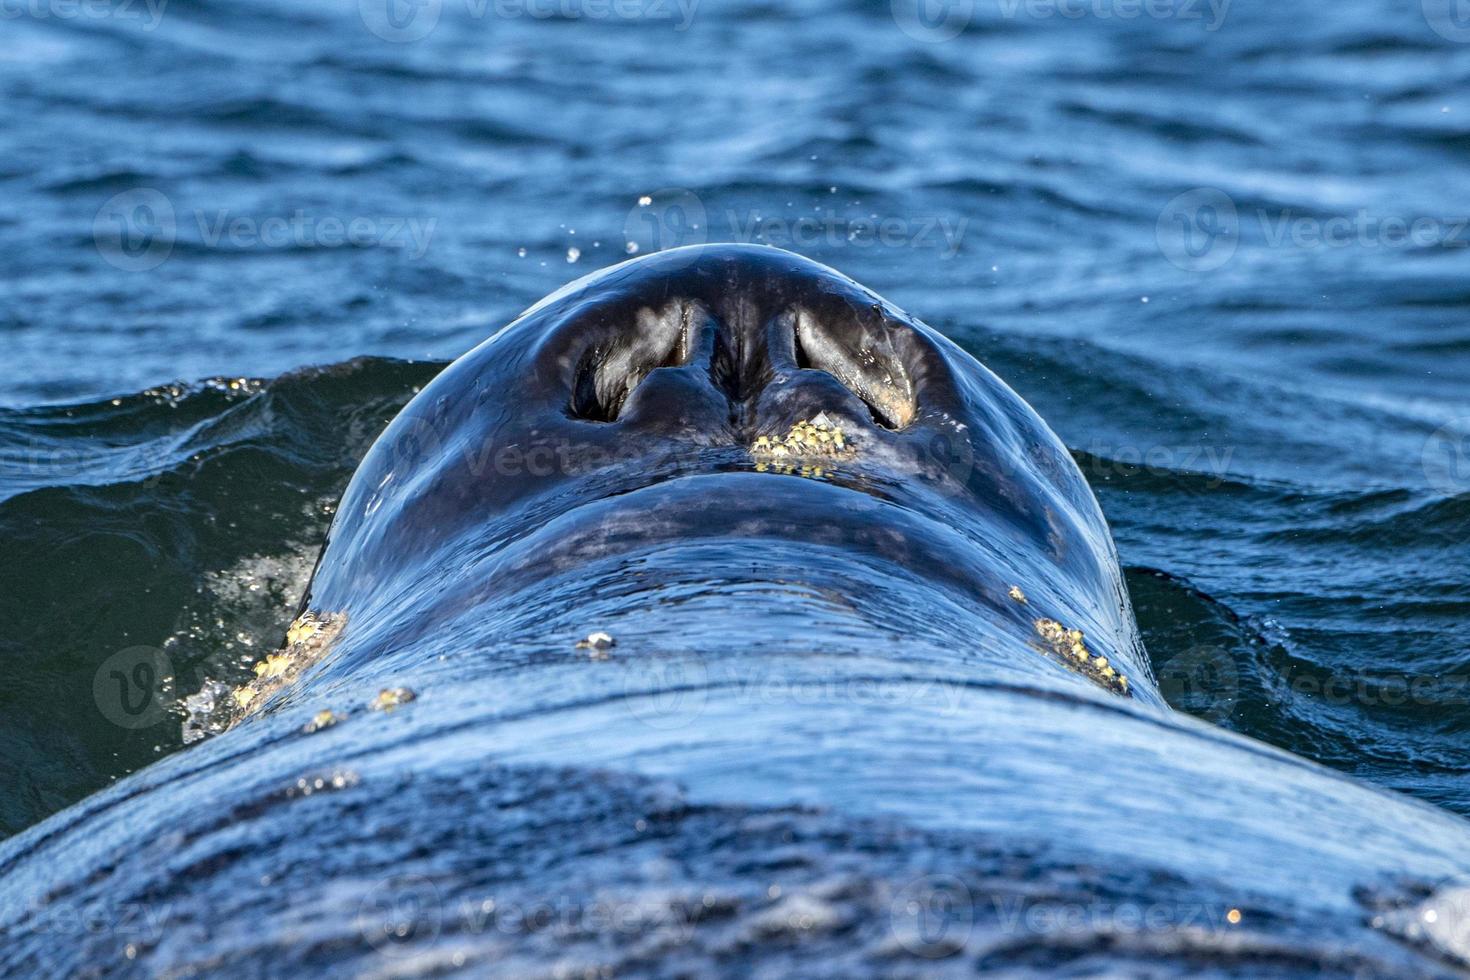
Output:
x=872 y=372
x=607 y=373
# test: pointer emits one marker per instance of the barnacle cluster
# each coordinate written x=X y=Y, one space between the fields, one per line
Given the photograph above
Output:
x=1070 y=647
x=803 y=448
x=307 y=641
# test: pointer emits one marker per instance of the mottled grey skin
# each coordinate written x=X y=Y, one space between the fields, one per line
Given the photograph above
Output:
x=829 y=740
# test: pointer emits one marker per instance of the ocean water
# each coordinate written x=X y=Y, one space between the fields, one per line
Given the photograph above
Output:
x=1223 y=248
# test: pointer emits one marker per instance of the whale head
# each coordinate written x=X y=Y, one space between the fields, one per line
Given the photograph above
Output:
x=721 y=447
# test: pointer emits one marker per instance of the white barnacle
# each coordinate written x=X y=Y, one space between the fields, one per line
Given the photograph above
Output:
x=598 y=642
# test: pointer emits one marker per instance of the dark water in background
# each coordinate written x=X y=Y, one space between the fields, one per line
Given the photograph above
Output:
x=1267 y=381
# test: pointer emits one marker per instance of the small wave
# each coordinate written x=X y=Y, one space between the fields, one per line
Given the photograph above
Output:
x=176 y=525
x=109 y=180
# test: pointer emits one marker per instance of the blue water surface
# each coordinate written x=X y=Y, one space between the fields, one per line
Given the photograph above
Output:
x=1223 y=248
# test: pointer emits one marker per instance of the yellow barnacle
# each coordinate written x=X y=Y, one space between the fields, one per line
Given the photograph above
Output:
x=1016 y=594
x=391 y=697
x=1068 y=644
x=273 y=666
x=304 y=628
x=325 y=718
x=243 y=696
x=806 y=438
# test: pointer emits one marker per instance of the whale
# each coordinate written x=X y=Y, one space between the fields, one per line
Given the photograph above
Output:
x=718 y=617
